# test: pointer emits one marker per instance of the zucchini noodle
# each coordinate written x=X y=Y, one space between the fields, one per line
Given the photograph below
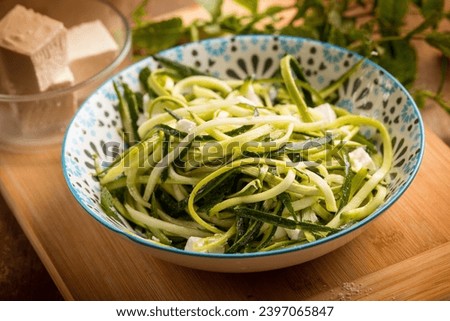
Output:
x=221 y=166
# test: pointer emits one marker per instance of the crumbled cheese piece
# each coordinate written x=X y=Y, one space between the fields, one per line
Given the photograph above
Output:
x=359 y=158
x=323 y=112
x=308 y=215
x=279 y=233
x=294 y=234
x=90 y=49
x=272 y=93
x=194 y=243
x=33 y=49
x=185 y=125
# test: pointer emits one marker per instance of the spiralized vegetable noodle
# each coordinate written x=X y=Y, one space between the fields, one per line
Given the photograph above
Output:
x=235 y=166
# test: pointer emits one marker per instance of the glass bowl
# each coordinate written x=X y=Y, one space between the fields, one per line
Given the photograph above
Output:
x=39 y=119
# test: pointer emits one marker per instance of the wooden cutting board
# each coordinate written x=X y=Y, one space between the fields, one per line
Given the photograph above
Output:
x=404 y=255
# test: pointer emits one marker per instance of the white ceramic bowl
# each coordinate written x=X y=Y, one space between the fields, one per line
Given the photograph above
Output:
x=370 y=91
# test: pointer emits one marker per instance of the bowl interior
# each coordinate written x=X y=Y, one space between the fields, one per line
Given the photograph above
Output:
x=371 y=91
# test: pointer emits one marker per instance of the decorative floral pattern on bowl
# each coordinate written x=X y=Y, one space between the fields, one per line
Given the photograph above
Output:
x=371 y=91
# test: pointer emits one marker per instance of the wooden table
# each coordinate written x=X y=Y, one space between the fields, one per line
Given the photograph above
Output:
x=404 y=255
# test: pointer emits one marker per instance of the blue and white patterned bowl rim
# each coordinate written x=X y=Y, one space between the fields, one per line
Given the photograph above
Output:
x=399 y=192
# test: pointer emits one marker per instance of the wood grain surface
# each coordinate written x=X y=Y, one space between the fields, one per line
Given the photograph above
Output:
x=404 y=255
x=22 y=274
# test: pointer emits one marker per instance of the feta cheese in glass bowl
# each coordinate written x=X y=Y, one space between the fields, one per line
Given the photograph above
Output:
x=51 y=61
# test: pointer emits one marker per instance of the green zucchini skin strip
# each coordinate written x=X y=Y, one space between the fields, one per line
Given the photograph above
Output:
x=180 y=69
x=281 y=221
x=276 y=168
x=128 y=113
x=289 y=65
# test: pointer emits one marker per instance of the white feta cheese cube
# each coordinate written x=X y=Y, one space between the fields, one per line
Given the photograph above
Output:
x=308 y=215
x=295 y=234
x=194 y=243
x=359 y=158
x=33 y=48
x=185 y=125
x=279 y=233
x=323 y=112
x=90 y=49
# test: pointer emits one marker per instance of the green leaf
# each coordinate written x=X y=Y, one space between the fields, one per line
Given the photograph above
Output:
x=420 y=98
x=335 y=18
x=399 y=58
x=440 y=40
x=430 y=21
x=307 y=6
x=303 y=31
x=390 y=14
x=139 y=13
x=430 y=8
x=250 y=5
x=231 y=24
x=214 y=7
x=273 y=10
x=336 y=37
x=156 y=36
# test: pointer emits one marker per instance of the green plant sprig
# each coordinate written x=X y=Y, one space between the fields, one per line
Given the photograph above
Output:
x=372 y=28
